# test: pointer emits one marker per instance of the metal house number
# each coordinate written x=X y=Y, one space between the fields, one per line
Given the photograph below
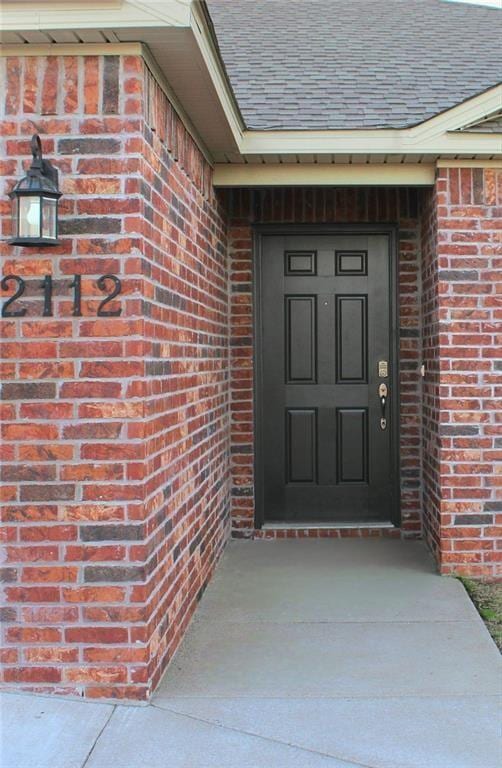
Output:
x=108 y=284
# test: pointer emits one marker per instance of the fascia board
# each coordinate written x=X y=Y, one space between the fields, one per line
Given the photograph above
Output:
x=487 y=119
x=167 y=12
x=367 y=142
x=463 y=114
x=40 y=17
x=218 y=76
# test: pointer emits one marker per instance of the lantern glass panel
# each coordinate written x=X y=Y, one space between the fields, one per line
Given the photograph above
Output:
x=49 y=217
x=29 y=216
x=15 y=217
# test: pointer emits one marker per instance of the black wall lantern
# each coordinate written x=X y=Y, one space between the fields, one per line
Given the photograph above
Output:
x=35 y=202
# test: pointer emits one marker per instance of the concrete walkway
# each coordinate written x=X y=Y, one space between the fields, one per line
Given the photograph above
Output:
x=305 y=653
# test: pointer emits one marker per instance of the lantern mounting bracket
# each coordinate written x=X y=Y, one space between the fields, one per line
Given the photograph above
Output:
x=36 y=146
x=39 y=166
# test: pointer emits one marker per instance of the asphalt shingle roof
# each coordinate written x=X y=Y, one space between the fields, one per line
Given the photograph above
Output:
x=320 y=64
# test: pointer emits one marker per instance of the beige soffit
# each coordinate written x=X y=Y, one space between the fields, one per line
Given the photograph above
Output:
x=288 y=174
x=181 y=49
x=469 y=164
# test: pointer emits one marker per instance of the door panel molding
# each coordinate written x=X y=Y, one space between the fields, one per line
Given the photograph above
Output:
x=393 y=406
x=352 y=465
x=300 y=322
x=301 y=445
x=351 y=364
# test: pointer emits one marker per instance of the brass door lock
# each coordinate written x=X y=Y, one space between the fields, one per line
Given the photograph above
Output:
x=382 y=394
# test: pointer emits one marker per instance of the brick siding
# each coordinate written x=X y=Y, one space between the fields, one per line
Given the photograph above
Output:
x=114 y=436
x=431 y=488
x=462 y=418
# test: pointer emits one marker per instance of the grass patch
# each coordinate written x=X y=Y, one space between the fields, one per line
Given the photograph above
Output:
x=487 y=597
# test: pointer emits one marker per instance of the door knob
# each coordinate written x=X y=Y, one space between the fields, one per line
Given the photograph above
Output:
x=382 y=394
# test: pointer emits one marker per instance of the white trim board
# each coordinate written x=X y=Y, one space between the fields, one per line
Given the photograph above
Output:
x=279 y=175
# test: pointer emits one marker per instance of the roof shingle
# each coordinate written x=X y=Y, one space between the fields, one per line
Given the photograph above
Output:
x=344 y=64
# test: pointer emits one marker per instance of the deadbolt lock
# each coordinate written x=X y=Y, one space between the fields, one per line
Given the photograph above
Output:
x=383 y=369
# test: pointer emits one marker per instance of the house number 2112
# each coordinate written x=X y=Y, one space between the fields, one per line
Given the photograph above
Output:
x=109 y=284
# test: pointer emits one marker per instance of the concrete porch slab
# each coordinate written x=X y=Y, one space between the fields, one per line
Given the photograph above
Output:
x=332 y=580
x=333 y=660
x=355 y=649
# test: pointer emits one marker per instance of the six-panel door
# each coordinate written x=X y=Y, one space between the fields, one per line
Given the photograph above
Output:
x=326 y=320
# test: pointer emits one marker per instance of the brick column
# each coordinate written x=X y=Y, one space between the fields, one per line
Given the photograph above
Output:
x=462 y=268
x=114 y=437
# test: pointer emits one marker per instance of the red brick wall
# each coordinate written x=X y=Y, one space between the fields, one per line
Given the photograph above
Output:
x=431 y=489
x=186 y=427
x=462 y=443
x=114 y=436
x=297 y=205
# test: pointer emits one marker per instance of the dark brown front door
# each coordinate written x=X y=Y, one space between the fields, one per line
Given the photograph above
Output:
x=326 y=348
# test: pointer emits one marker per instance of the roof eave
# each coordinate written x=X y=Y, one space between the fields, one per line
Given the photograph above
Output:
x=200 y=83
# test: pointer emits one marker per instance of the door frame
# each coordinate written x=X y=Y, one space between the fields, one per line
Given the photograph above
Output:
x=259 y=232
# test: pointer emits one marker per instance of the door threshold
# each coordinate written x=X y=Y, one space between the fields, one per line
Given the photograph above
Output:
x=328 y=526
